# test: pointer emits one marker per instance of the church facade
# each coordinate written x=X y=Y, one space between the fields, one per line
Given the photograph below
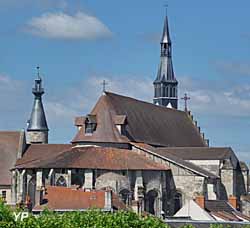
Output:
x=153 y=156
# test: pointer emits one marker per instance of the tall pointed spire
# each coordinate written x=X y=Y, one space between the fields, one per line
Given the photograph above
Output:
x=165 y=83
x=165 y=35
x=37 y=131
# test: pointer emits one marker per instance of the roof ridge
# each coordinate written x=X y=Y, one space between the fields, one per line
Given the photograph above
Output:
x=146 y=102
x=11 y=131
x=193 y=147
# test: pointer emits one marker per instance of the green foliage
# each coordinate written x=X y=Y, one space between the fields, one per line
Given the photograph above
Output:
x=6 y=214
x=188 y=226
x=220 y=226
x=88 y=219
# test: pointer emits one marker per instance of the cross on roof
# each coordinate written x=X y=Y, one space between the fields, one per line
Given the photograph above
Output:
x=186 y=98
x=104 y=83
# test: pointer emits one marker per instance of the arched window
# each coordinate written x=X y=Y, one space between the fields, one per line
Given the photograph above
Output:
x=32 y=190
x=61 y=181
x=171 y=92
x=177 y=201
x=163 y=90
x=151 y=203
x=125 y=196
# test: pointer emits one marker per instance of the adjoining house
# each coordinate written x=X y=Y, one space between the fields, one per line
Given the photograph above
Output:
x=201 y=209
x=61 y=199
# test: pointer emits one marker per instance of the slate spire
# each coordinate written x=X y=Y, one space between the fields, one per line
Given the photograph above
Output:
x=165 y=84
x=37 y=130
x=165 y=35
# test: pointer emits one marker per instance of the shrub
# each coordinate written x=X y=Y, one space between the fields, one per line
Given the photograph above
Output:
x=88 y=219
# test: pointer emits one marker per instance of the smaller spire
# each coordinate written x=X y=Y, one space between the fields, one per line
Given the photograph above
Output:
x=37 y=120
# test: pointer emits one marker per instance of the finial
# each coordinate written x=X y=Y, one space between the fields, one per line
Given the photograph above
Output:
x=38 y=72
x=166 y=8
x=186 y=98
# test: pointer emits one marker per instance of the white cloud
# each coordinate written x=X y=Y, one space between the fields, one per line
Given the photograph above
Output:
x=128 y=85
x=58 y=110
x=64 y=26
x=8 y=84
x=206 y=98
x=235 y=68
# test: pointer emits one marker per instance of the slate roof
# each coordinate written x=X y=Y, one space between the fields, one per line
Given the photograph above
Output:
x=87 y=157
x=177 y=160
x=37 y=153
x=63 y=199
x=146 y=123
x=9 y=145
x=218 y=205
x=198 y=153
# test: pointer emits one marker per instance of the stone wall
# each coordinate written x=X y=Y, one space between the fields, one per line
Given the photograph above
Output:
x=212 y=166
x=37 y=136
x=185 y=181
x=228 y=178
x=245 y=205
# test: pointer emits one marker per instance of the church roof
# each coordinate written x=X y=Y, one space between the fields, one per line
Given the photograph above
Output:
x=36 y=153
x=9 y=146
x=89 y=157
x=146 y=123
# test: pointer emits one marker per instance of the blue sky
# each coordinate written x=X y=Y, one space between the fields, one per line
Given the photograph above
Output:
x=79 y=43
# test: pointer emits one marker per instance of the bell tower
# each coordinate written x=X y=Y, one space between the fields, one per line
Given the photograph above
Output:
x=165 y=84
x=37 y=130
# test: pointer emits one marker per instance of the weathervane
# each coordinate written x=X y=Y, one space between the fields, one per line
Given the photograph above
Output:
x=186 y=98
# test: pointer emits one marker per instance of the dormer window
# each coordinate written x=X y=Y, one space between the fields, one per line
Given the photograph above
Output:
x=90 y=124
x=120 y=123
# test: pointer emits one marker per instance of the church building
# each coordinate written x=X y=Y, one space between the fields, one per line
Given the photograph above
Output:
x=147 y=157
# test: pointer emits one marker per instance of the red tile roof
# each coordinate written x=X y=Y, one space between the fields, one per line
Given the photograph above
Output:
x=88 y=157
x=63 y=199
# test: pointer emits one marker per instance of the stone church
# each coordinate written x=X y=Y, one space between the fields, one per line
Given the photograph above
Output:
x=153 y=156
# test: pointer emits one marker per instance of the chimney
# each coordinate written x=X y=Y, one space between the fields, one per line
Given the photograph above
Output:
x=232 y=200
x=200 y=200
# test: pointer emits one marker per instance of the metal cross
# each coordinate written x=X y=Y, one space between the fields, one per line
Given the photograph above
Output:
x=104 y=83
x=186 y=98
